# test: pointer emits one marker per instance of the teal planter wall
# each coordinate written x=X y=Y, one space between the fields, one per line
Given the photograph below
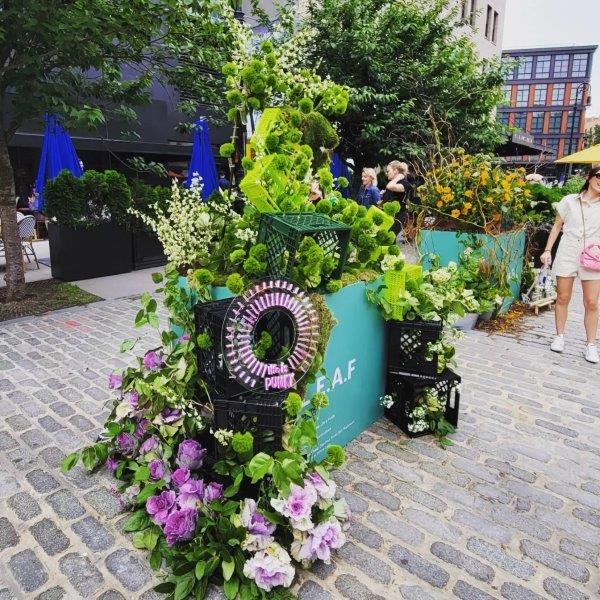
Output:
x=447 y=244
x=354 y=365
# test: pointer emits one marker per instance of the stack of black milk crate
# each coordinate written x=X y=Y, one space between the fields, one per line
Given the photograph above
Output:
x=410 y=372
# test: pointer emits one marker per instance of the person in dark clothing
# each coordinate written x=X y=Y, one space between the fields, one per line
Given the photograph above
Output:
x=224 y=183
x=368 y=194
x=399 y=189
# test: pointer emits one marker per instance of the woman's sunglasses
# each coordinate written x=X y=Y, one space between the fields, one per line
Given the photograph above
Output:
x=596 y=175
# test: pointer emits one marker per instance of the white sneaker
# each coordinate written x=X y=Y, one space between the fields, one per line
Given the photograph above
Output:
x=558 y=345
x=591 y=353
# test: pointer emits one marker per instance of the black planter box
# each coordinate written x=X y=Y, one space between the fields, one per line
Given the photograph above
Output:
x=407 y=343
x=147 y=250
x=87 y=253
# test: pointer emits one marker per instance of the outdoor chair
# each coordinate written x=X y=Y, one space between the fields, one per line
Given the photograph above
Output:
x=27 y=234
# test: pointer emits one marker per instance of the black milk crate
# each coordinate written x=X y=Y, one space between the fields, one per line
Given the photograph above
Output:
x=407 y=389
x=260 y=414
x=209 y=318
x=282 y=233
x=407 y=343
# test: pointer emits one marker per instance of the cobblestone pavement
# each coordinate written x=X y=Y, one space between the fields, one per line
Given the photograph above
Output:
x=512 y=510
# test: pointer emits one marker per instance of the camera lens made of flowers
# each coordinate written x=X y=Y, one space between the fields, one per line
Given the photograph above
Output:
x=285 y=312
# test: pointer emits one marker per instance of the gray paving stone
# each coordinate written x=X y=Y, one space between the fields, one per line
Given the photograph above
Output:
x=7 y=441
x=525 y=523
x=483 y=526
x=509 y=469
x=466 y=591
x=445 y=474
x=568 y=524
x=396 y=528
x=8 y=535
x=415 y=564
x=365 y=535
x=81 y=573
x=530 y=492
x=420 y=497
x=111 y=595
x=438 y=527
x=28 y=570
x=49 y=424
x=81 y=478
x=414 y=592
x=55 y=593
x=62 y=409
x=128 y=568
x=49 y=537
x=81 y=423
x=41 y=481
x=401 y=471
x=65 y=504
x=580 y=551
x=6 y=594
x=397 y=451
x=368 y=563
x=356 y=503
x=367 y=471
x=350 y=587
x=501 y=559
x=457 y=558
x=310 y=590
x=35 y=438
x=378 y=495
x=573 y=493
x=24 y=506
x=555 y=561
x=589 y=516
x=18 y=423
x=93 y=534
x=52 y=456
x=322 y=570
x=562 y=591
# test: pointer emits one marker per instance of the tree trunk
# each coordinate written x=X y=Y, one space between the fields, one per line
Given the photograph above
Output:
x=14 y=275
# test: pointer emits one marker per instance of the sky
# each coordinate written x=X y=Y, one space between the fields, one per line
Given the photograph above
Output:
x=541 y=23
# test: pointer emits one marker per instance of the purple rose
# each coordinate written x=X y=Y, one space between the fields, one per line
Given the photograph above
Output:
x=158 y=507
x=149 y=445
x=213 y=491
x=191 y=493
x=270 y=568
x=253 y=521
x=324 y=489
x=152 y=360
x=321 y=540
x=142 y=426
x=190 y=454
x=298 y=505
x=180 y=476
x=170 y=415
x=158 y=470
x=114 y=381
x=180 y=525
x=126 y=443
x=133 y=398
x=111 y=464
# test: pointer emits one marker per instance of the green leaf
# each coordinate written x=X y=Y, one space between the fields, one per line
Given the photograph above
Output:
x=145 y=299
x=231 y=588
x=142 y=474
x=69 y=462
x=200 y=569
x=259 y=466
x=128 y=345
x=101 y=451
x=273 y=517
x=155 y=559
x=88 y=458
x=234 y=488
x=164 y=588
x=292 y=470
x=151 y=536
x=280 y=479
x=228 y=567
x=138 y=540
x=185 y=584
x=147 y=492
x=157 y=277
x=138 y=520
x=153 y=320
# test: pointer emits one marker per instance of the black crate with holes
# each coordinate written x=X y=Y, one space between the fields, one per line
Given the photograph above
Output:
x=407 y=346
x=282 y=234
x=260 y=414
x=408 y=390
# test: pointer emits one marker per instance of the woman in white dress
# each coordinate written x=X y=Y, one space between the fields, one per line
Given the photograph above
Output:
x=578 y=216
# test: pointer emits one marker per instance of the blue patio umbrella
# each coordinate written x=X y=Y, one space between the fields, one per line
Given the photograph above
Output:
x=58 y=153
x=202 y=167
x=340 y=169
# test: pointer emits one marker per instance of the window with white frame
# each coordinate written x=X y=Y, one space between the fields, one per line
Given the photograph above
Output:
x=522 y=95
x=561 y=65
x=555 y=121
x=542 y=66
x=525 y=67
x=539 y=96
x=558 y=94
x=537 y=122
x=580 y=65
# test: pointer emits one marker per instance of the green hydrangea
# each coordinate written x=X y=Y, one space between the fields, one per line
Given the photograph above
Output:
x=227 y=149
x=265 y=342
x=294 y=136
x=306 y=105
x=378 y=219
x=267 y=46
x=307 y=151
x=232 y=114
x=343 y=182
x=235 y=283
x=253 y=267
x=204 y=341
x=335 y=285
x=271 y=59
x=293 y=405
x=242 y=443
x=259 y=252
x=237 y=256
x=272 y=142
x=364 y=255
x=361 y=212
x=382 y=237
x=335 y=456
x=295 y=117
x=203 y=277
x=253 y=103
x=319 y=400
x=391 y=237
x=247 y=163
x=229 y=69
x=234 y=97
x=391 y=208
x=394 y=250
x=324 y=207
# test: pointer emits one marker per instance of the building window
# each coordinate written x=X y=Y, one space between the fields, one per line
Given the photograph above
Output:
x=495 y=27
x=580 y=65
x=488 y=22
x=552 y=144
x=519 y=120
x=502 y=118
x=558 y=94
x=473 y=18
x=537 y=122
x=574 y=122
x=555 y=121
x=525 y=67
x=561 y=65
x=522 y=95
x=542 y=66
x=577 y=94
x=507 y=91
x=539 y=96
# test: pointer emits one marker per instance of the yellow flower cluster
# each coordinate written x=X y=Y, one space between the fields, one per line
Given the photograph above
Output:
x=475 y=192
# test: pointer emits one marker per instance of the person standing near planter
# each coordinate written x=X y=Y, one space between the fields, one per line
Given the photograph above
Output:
x=368 y=194
x=398 y=189
x=578 y=216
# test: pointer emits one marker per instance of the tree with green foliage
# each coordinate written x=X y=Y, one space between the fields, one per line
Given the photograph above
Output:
x=592 y=135
x=67 y=57
x=415 y=82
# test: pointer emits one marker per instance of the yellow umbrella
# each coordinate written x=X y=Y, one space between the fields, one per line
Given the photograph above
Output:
x=589 y=155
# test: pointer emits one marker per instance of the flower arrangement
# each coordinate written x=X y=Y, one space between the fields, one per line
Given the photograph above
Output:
x=472 y=192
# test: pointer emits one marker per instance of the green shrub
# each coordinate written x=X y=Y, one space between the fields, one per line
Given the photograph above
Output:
x=65 y=200
x=118 y=196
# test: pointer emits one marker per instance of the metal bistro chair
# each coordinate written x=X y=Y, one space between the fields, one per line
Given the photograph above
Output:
x=27 y=234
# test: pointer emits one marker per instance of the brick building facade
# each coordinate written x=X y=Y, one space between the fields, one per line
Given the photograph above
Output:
x=542 y=91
